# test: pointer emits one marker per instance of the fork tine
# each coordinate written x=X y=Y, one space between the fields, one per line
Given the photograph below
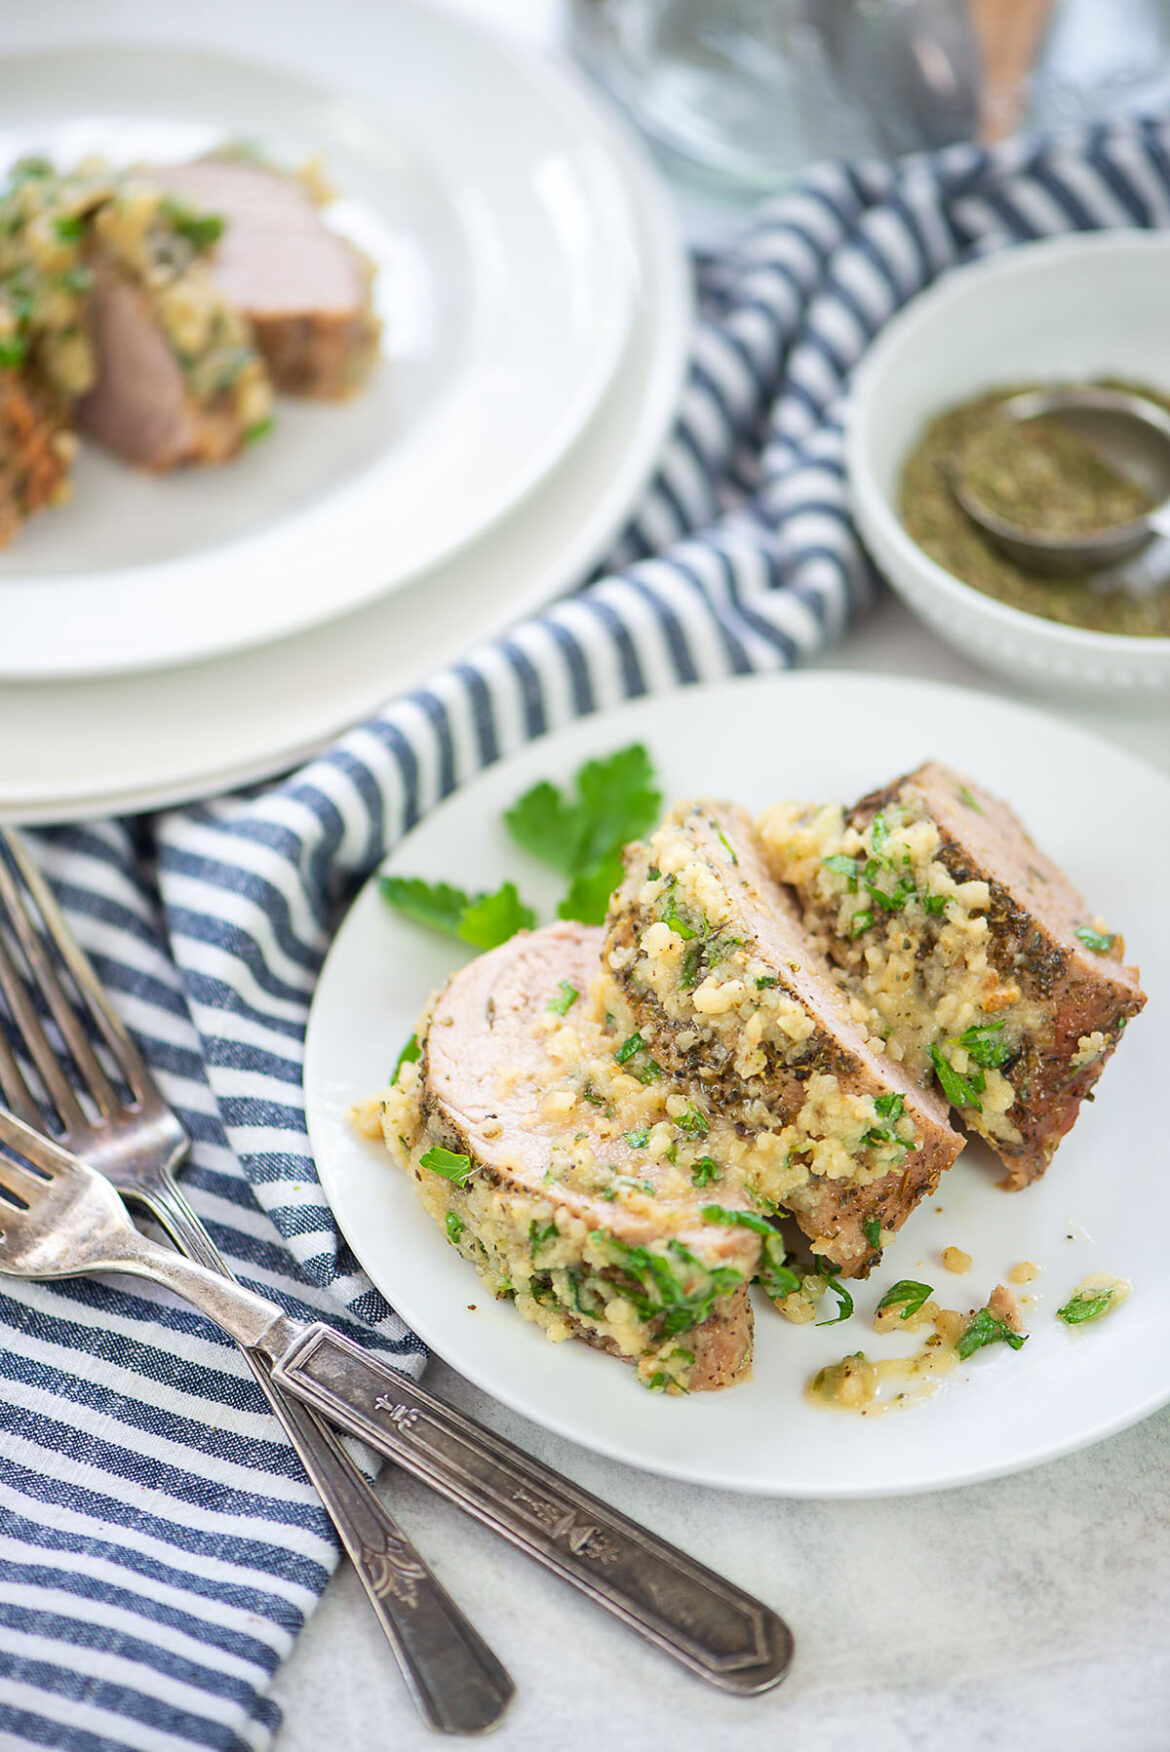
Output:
x=99 y=1085
x=15 y=1090
x=35 y=1147
x=40 y=1051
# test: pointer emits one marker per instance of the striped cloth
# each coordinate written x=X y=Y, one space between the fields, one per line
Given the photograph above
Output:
x=159 y=1549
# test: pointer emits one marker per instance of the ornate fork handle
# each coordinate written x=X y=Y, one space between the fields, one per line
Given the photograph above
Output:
x=729 y=1638
x=458 y=1684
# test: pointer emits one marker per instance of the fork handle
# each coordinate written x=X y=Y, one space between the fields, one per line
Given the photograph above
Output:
x=455 y=1680
x=714 y=1628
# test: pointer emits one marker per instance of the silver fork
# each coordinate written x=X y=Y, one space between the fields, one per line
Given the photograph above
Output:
x=61 y=1218
x=456 y=1681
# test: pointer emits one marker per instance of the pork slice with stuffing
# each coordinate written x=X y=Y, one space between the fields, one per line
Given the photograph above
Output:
x=543 y=1162
x=711 y=970
x=977 y=958
x=305 y=289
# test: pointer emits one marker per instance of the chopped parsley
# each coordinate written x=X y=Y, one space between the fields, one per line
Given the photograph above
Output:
x=537 y=1236
x=777 y=1279
x=830 y=1273
x=202 y=230
x=410 y=1055
x=1099 y=941
x=706 y=1170
x=683 y=922
x=964 y=796
x=70 y=227
x=566 y=997
x=1084 y=1307
x=639 y=1137
x=727 y=845
x=765 y=981
x=908 y=1295
x=630 y=1045
x=983 y=1328
x=693 y=1123
x=449 y=1163
x=872 y=1230
x=934 y=904
x=984 y=1043
x=692 y=961
x=861 y=921
x=843 y=866
x=890 y=1109
x=589 y=1093
x=960 y=1091
x=679 y=1298
x=258 y=429
x=454 y=1228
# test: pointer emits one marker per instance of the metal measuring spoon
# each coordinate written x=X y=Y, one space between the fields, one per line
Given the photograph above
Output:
x=1128 y=432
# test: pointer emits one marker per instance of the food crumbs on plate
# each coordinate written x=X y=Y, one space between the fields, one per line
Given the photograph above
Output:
x=956 y=1260
x=472 y=1308
x=1094 y=1297
x=1024 y=1273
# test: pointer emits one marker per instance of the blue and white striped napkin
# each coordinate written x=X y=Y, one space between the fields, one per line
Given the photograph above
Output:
x=159 y=1548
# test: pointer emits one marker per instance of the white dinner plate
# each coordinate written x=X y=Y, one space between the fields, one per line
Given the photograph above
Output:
x=1103 y=1206
x=72 y=749
x=503 y=239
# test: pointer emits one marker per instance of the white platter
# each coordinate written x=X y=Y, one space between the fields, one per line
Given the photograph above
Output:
x=71 y=749
x=1105 y=1204
x=504 y=240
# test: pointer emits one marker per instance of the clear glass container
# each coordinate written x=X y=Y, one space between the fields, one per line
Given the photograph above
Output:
x=742 y=93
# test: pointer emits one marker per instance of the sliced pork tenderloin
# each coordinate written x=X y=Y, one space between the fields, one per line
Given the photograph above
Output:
x=975 y=956
x=549 y=1167
x=305 y=289
x=708 y=964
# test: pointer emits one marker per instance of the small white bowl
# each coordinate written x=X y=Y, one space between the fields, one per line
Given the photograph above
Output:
x=1064 y=310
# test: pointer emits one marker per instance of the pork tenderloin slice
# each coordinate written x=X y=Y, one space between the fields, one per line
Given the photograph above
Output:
x=977 y=964
x=709 y=963
x=1074 y=1001
x=306 y=289
x=563 y=1202
x=140 y=406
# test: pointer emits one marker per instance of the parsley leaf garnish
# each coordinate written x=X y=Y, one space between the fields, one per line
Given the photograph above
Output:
x=1099 y=941
x=483 y=920
x=491 y=919
x=983 y=1328
x=705 y=1170
x=907 y=1294
x=614 y=800
x=587 y=897
x=960 y=1091
x=449 y=1163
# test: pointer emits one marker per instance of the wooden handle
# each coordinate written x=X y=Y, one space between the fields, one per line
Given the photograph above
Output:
x=1009 y=33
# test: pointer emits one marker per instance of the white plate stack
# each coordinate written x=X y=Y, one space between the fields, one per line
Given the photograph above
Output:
x=170 y=638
